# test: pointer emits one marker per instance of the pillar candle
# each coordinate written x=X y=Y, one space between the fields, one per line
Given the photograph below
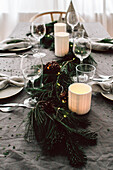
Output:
x=79 y=98
x=59 y=27
x=61 y=43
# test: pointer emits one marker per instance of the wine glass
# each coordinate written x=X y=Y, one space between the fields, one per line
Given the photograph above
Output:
x=38 y=31
x=72 y=20
x=32 y=69
x=81 y=46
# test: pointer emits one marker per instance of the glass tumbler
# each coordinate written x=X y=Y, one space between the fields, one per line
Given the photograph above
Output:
x=85 y=73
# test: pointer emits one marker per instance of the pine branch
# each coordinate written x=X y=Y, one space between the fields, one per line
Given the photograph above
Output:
x=75 y=154
x=59 y=130
x=84 y=136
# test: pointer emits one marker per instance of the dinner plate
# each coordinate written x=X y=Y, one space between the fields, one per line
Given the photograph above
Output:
x=108 y=96
x=9 y=91
x=20 y=49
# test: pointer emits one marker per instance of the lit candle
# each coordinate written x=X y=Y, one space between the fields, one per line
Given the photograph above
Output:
x=79 y=98
x=59 y=27
x=61 y=43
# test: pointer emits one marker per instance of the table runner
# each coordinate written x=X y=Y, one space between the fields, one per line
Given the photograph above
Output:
x=23 y=155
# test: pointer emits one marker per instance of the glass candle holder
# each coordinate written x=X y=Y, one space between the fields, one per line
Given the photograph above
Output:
x=85 y=73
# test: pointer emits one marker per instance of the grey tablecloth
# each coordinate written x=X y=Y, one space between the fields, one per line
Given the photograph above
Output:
x=28 y=156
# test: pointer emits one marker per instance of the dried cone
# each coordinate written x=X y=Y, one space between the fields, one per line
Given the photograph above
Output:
x=52 y=68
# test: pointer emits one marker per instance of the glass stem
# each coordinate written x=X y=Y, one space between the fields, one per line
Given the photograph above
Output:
x=39 y=46
x=81 y=61
x=32 y=81
x=73 y=33
x=83 y=32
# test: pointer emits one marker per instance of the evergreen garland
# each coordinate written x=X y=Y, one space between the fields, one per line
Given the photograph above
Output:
x=56 y=128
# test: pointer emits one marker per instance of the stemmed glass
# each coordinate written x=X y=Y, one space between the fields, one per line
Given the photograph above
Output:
x=38 y=31
x=32 y=69
x=81 y=46
x=72 y=20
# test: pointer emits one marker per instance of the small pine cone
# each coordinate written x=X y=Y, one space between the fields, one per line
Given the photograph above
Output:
x=51 y=68
x=39 y=28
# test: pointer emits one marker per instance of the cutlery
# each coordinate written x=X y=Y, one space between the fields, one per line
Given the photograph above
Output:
x=15 y=105
x=11 y=106
x=100 y=79
x=6 y=109
x=7 y=54
x=107 y=92
x=105 y=76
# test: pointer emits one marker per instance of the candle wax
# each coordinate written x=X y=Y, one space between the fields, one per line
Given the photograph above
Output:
x=80 y=89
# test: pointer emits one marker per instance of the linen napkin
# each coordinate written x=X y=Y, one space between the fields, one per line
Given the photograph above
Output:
x=13 y=80
x=101 y=46
x=11 y=43
x=102 y=86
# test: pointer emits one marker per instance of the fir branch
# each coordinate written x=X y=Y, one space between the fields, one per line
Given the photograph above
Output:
x=75 y=154
x=74 y=120
x=84 y=137
x=57 y=128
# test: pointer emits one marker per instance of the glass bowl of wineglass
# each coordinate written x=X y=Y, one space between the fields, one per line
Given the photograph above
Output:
x=72 y=20
x=32 y=70
x=38 y=30
x=81 y=47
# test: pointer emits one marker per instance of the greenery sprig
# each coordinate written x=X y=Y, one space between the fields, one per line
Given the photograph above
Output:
x=57 y=129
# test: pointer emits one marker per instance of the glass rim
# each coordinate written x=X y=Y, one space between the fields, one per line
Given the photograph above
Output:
x=94 y=68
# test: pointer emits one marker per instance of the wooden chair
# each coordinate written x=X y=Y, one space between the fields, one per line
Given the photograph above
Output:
x=60 y=13
x=52 y=13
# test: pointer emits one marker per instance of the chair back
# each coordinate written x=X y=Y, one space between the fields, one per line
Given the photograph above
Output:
x=51 y=14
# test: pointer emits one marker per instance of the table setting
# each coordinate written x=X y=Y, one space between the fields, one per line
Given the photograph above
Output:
x=60 y=112
x=15 y=44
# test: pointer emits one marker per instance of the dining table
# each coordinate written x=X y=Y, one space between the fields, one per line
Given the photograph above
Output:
x=18 y=154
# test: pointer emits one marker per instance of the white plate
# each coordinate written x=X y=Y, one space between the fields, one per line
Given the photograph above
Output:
x=108 y=96
x=9 y=91
x=20 y=49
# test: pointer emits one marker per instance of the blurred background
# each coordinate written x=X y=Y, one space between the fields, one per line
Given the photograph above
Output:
x=15 y=11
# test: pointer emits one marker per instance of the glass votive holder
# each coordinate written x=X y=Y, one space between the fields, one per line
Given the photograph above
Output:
x=85 y=73
x=79 y=98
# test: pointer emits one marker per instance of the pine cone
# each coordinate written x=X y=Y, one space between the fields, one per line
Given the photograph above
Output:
x=51 y=68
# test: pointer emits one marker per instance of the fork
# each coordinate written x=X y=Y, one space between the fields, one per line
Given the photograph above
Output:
x=11 y=106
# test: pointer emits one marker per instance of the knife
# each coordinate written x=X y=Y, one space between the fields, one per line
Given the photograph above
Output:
x=7 y=54
x=100 y=79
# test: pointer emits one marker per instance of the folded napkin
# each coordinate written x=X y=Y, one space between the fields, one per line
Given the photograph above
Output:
x=11 y=43
x=13 y=80
x=102 y=86
x=103 y=45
